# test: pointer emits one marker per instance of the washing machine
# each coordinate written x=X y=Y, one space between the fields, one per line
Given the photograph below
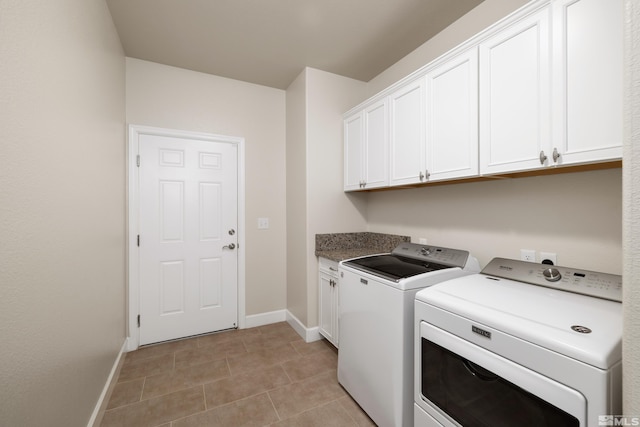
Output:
x=376 y=307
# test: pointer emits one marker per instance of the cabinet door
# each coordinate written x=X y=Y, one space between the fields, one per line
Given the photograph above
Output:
x=588 y=77
x=514 y=96
x=353 y=149
x=376 y=147
x=406 y=142
x=327 y=309
x=452 y=118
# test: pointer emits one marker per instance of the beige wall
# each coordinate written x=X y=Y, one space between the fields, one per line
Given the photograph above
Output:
x=175 y=98
x=576 y=215
x=297 y=289
x=315 y=201
x=330 y=210
x=62 y=209
x=631 y=214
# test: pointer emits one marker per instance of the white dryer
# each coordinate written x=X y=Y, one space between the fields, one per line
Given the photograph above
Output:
x=520 y=344
x=376 y=303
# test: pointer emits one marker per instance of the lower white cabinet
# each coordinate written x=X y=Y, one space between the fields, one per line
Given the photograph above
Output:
x=328 y=283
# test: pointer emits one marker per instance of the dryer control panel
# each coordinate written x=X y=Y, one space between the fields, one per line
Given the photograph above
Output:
x=586 y=282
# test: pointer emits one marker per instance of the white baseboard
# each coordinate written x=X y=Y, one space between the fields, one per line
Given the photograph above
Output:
x=265 y=318
x=308 y=334
x=98 y=411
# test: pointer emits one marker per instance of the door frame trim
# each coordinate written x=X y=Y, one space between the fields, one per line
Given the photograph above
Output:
x=132 y=254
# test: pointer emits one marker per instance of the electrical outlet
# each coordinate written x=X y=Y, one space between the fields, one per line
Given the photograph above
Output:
x=528 y=255
x=549 y=257
x=422 y=240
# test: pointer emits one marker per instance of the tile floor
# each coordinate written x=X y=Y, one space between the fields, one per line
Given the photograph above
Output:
x=264 y=376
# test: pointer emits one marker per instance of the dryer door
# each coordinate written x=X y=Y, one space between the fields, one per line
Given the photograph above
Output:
x=463 y=384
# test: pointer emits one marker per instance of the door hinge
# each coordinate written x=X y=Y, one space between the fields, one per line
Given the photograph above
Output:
x=138 y=240
x=138 y=320
x=138 y=160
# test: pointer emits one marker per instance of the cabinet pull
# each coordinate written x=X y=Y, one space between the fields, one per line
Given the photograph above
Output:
x=426 y=174
x=556 y=155
x=421 y=176
x=543 y=157
x=333 y=269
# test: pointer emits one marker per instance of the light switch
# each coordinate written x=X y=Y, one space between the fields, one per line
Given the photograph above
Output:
x=263 y=223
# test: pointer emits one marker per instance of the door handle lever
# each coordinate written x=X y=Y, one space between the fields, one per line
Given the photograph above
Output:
x=231 y=246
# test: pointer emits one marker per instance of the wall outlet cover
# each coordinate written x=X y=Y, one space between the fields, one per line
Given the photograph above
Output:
x=528 y=255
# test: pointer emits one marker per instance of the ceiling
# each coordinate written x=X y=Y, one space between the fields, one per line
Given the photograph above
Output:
x=269 y=42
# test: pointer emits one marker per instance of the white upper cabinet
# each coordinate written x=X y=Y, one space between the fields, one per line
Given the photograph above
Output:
x=452 y=118
x=587 y=84
x=407 y=125
x=514 y=96
x=366 y=136
x=376 y=149
x=539 y=89
x=353 y=149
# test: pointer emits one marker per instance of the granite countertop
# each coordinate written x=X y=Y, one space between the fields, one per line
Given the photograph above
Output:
x=341 y=246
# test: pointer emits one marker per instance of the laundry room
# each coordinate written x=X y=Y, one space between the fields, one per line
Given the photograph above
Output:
x=458 y=133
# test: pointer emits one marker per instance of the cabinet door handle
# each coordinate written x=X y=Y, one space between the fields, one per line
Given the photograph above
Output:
x=556 y=155
x=421 y=176
x=543 y=157
x=333 y=269
x=426 y=174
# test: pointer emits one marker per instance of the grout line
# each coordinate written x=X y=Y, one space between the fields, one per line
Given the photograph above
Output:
x=274 y=406
x=144 y=382
x=204 y=396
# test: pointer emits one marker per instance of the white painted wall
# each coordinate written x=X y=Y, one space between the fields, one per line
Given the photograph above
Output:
x=175 y=98
x=631 y=213
x=62 y=209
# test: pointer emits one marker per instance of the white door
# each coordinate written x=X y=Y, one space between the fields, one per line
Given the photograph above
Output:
x=188 y=219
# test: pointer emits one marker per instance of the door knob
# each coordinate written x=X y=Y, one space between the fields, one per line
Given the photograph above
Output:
x=231 y=246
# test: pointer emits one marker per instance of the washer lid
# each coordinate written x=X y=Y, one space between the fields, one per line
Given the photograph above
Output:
x=393 y=267
x=582 y=327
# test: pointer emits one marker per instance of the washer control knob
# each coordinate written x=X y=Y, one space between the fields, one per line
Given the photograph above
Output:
x=552 y=274
x=425 y=251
